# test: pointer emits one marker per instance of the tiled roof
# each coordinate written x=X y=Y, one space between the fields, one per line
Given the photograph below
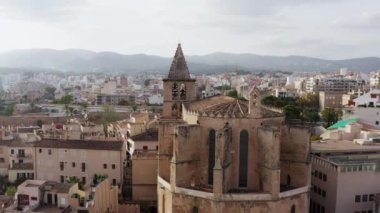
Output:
x=178 y=69
x=220 y=105
x=80 y=144
x=225 y=106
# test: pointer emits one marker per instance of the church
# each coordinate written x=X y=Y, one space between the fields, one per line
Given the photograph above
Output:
x=221 y=154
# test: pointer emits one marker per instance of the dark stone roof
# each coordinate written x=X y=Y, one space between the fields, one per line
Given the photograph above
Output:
x=80 y=144
x=146 y=136
x=178 y=69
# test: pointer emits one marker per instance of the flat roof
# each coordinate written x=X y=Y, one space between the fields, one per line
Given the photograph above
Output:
x=341 y=146
x=80 y=144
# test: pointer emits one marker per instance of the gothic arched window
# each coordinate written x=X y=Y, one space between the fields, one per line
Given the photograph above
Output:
x=243 y=158
x=195 y=210
x=211 y=156
x=293 y=209
x=182 y=92
x=175 y=91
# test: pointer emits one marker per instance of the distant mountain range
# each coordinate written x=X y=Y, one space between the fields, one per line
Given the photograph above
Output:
x=76 y=60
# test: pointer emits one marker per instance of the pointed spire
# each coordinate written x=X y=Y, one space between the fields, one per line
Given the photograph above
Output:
x=178 y=69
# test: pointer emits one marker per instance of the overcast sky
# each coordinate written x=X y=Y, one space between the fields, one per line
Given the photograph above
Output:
x=332 y=29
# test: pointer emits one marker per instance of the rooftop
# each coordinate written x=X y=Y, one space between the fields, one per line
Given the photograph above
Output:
x=57 y=187
x=342 y=146
x=80 y=144
x=178 y=69
x=146 y=136
x=223 y=105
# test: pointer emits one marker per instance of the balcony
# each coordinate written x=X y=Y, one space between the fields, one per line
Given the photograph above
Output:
x=23 y=155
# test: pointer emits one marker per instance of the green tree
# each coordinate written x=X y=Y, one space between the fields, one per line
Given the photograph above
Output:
x=50 y=93
x=11 y=191
x=109 y=114
x=66 y=99
x=74 y=179
x=98 y=178
x=39 y=123
x=330 y=116
x=309 y=100
x=233 y=94
x=311 y=116
x=292 y=112
x=8 y=110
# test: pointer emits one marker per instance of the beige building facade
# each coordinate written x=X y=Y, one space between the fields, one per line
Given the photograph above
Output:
x=57 y=160
x=330 y=100
x=220 y=154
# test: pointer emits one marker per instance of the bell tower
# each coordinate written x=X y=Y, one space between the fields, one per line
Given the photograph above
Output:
x=179 y=87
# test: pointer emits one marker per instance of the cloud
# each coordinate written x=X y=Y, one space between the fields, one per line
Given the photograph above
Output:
x=363 y=21
x=40 y=10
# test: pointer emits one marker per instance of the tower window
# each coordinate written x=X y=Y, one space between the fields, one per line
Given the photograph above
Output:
x=243 y=159
x=182 y=92
x=175 y=91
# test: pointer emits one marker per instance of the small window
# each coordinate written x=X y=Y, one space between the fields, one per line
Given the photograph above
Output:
x=322 y=209
x=316 y=173
x=357 y=198
x=320 y=175
x=145 y=148
x=113 y=166
x=62 y=165
x=83 y=167
x=40 y=150
x=62 y=179
x=105 y=166
x=33 y=198
x=156 y=147
x=49 y=151
x=377 y=122
x=12 y=151
x=371 y=197
x=365 y=198
x=114 y=181
x=73 y=164
x=324 y=177
x=84 y=180
x=319 y=191
x=323 y=193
